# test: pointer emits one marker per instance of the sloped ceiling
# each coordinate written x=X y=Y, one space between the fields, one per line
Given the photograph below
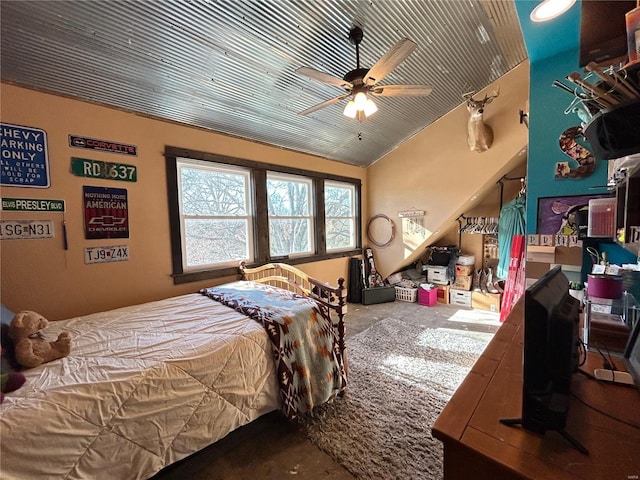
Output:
x=229 y=65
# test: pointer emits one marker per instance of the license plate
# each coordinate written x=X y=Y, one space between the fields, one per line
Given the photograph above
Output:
x=118 y=253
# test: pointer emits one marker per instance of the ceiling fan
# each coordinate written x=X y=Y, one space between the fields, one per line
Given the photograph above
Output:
x=362 y=83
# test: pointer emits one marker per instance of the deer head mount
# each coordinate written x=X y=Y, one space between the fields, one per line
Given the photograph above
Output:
x=479 y=134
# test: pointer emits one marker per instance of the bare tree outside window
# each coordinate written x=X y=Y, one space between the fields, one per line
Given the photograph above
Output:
x=290 y=217
x=216 y=215
x=339 y=199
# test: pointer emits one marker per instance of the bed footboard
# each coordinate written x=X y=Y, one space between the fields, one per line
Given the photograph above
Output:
x=332 y=299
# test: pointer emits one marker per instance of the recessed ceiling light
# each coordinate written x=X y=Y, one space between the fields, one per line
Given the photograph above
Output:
x=549 y=9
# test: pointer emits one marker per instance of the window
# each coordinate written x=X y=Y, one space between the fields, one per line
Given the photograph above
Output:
x=225 y=210
x=215 y=210
x=290 y=215
x=340 y=215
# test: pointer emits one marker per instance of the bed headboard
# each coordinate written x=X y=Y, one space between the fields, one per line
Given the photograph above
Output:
x=332 y=298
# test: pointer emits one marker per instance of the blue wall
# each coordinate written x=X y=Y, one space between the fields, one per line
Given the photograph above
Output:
x=553 y=49
x=547 y=121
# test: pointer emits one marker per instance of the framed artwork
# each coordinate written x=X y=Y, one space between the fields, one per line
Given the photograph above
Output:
x=556 y=215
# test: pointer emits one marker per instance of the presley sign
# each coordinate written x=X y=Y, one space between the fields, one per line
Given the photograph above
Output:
x=102 y=145
x=32 y=205
x=24 y=161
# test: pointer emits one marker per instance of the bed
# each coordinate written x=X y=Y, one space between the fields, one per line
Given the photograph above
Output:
x=147 y=385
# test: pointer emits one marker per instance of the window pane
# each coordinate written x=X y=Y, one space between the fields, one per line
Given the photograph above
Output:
x=213 y=192
x=289 y=236
x=339 y=201
x=215 y=241
x=290 y=220
x=288 y=198
x=215 y=213
x=340 y=233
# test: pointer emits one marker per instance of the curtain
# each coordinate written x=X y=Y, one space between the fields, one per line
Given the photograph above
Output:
x=511 y=222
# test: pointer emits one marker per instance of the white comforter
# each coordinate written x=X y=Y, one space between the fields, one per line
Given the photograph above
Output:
x=143 y=387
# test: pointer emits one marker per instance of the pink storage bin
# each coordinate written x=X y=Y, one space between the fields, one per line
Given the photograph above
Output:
x=427 y=298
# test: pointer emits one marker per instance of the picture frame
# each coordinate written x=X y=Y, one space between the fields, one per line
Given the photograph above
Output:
x=552 y=213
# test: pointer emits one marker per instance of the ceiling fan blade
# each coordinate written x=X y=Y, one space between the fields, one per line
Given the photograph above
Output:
x=323 y=77
x=390 y=60
x=324 y=104
x=401 y=90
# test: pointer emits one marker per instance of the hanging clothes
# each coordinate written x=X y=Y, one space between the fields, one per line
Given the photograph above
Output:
x=511 y=222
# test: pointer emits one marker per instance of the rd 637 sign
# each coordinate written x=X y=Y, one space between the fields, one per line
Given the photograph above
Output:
x=106 y=212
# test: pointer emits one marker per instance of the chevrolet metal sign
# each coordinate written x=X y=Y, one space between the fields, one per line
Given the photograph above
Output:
x=102 y=145
x=106 y=212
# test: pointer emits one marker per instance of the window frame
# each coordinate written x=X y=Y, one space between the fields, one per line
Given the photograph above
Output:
x=354 y=217
x=287 y=177
x=223 y=169
x=258 y=178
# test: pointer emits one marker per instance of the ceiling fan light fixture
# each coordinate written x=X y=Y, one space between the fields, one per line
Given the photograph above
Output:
x=370 y=108
x=360 y=101
x=350 y=110
x=550 y=9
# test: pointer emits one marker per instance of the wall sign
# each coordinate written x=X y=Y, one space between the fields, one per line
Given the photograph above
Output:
x=32 y=205
x=25 y=229
x=24 y=161
x=118 y=253
x=84 y=167
x=102 y=145
x=106 y=212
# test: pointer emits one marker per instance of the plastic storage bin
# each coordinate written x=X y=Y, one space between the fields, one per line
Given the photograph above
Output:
x=406 y=294
x=428 y=297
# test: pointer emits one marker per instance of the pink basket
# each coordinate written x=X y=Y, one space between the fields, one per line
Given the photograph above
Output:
x=427 y=298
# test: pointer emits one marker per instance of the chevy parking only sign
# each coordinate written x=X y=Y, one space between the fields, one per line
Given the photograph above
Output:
x=24 y=161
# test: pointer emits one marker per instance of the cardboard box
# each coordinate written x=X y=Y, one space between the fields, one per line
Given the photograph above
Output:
x=463 y=282
x=464 y=270
x=486 y=301
x=460 y=297
x=443 y=294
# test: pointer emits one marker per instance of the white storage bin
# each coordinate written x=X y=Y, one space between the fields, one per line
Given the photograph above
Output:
x=460 y=297
x=465 y=259
x=437 y=275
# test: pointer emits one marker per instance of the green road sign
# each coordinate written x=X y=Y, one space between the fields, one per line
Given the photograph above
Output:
x=32 y=205
x=84 y=167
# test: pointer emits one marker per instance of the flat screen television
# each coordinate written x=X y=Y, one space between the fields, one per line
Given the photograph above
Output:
x=551 y=352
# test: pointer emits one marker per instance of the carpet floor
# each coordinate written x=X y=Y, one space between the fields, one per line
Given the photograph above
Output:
x=400 y=378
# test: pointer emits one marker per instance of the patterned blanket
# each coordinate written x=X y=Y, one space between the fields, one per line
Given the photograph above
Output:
x=305 y=347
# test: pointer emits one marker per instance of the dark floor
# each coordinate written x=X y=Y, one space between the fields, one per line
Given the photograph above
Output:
x=271 y=448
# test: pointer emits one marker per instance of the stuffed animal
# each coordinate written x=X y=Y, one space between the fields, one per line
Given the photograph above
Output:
x=10 y=381
x=31 y=349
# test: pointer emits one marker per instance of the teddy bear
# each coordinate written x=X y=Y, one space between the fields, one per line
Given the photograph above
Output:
x=31 y=349
x=10 y=381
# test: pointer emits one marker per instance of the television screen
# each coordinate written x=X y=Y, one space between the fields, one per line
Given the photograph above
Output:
x=550 y=354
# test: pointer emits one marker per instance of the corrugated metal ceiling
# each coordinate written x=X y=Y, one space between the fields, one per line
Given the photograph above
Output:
x=229 y=65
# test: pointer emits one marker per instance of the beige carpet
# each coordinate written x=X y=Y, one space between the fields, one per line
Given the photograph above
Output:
x=400 y=378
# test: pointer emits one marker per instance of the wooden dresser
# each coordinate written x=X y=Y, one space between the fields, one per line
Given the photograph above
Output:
x=605 y=418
